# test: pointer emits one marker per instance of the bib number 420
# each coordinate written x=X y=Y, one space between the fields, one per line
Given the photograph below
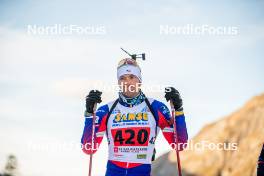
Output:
x=136 y=136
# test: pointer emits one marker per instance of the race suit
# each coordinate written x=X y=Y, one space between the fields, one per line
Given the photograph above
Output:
x=131 y=131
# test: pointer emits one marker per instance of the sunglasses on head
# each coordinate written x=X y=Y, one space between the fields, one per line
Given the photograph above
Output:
x=127 y=61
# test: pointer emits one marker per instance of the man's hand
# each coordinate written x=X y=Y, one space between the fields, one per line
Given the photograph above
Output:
x=172 y=94
x=93 y=97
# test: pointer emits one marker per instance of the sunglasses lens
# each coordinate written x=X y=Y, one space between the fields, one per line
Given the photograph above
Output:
x=127 y=61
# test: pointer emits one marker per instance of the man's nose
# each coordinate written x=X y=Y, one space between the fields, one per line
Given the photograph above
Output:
x=127 y=81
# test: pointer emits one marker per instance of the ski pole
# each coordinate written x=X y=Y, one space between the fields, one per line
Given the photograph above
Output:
x=93 y=132
x=176 y=138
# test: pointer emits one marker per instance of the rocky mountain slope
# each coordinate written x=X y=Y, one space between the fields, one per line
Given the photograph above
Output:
x=242 y=133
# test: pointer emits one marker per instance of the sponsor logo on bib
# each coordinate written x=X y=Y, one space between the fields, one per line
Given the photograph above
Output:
x=130 y=117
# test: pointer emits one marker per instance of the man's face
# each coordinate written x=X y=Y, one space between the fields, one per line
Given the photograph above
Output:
x=129 y=85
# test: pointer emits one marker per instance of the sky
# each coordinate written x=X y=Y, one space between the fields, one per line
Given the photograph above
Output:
x=44 y=78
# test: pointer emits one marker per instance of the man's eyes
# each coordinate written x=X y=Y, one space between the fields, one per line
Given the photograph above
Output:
x=130 y=77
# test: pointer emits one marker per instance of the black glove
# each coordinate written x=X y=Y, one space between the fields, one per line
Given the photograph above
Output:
x=93 y=97
x=172 y=94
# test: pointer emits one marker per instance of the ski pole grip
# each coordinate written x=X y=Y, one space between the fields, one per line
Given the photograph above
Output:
x=171 y=105
x=94 y=108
